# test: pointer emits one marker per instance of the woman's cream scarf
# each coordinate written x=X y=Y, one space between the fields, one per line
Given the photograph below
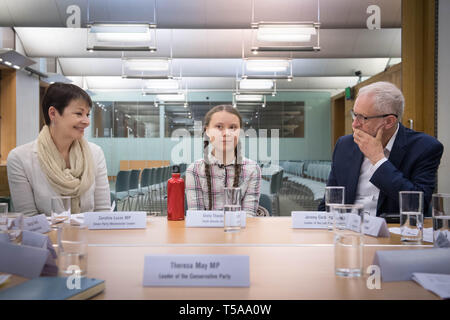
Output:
x=67 y=182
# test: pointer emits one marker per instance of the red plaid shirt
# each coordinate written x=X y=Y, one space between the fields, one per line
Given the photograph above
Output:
x=221 y=177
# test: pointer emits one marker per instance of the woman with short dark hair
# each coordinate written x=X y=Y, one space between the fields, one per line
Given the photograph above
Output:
x=60 y=162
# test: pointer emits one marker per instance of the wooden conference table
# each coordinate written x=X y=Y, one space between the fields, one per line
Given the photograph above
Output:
x=285 y=263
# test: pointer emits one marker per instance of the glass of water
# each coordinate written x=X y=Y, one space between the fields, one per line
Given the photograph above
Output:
x=333 y=195
x=11 y=225
x=60 y=207
x=348 y=239
x=232 y=210
x=441 y=220
x=72 y=245
x=411 y=216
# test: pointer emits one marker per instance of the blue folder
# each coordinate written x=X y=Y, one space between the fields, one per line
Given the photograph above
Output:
x=53 y=288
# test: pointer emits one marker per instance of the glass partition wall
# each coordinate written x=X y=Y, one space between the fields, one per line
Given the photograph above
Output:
x=288 y=133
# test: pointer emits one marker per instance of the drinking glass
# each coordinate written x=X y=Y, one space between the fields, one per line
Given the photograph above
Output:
x=232 y=210
x=72 y=247
x=60 y=207
x=411 y=216
x=333 y=195
x=348 y=239
x=441 y=220
x=11 y=225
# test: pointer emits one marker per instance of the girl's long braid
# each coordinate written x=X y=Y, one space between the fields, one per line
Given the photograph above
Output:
x=237 y=164
x=207 y=168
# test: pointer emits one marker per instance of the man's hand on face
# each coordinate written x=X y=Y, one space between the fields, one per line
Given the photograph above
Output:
x=371 y=147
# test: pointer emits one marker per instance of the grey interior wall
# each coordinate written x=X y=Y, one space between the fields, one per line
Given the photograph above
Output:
x=27 y=102
x=444 y=94
x=27 y=107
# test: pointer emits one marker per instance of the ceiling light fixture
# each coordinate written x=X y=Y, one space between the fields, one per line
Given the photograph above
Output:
x=249 y=97
x=146 y=64
x=256 y=84
x=13 y=59
x=121 y=33
x=171 y=97
x=284 y=36
x=169 y=84
x=277 y=32
x=121 y=37
x=269 y=65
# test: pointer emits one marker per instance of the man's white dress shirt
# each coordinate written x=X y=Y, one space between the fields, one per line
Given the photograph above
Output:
x=366 y=193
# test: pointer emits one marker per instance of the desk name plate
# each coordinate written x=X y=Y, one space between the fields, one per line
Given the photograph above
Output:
x=36 y=223
x=372 y=226
x=309 y=220
x=375 y=226
x=209 y=218
x=196 y=271
x=115 y=220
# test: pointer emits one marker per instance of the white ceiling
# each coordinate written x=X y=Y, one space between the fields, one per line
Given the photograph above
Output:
x=199 y=14
x=207 y=39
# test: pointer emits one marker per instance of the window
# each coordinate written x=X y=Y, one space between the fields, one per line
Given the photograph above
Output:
x=125 y=119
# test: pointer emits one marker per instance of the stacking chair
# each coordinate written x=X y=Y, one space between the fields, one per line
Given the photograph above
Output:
x=122 y=187
x=276 y=183
x=265 y=202
x=144 y=190
x=134 y=187
x=159 y=176
x=153 y=189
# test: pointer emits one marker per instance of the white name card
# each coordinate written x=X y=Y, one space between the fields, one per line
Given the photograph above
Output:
x=375 y=226
x=115 y=220
x=196 y=271
x=209 y=219
x=37 y=223
x=309 y=220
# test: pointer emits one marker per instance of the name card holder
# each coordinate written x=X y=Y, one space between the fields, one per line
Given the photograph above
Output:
x=115 y=220
x=399 y=265
x=34 y=258
x=209 y=218
x=309 y=220
x=196 y=271
x=375 y=226
x=37 y=223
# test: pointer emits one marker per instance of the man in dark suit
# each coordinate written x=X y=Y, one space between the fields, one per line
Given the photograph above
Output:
x=382 y=157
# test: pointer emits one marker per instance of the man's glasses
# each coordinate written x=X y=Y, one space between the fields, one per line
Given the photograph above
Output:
x=362 y=119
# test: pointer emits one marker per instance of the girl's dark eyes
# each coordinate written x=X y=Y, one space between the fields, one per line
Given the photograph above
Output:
x=220 y=126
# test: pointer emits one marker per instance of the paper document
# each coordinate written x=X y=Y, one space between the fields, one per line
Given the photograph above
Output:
x=77 y=219
x=427 y=233
x=437 y=283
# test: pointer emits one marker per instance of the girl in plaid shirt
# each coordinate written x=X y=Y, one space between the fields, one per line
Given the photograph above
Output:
x=222 y=166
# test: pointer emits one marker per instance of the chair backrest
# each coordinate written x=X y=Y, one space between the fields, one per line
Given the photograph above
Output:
x=276 y=182
x=152 y=177
x=159 y=175
x=145 y=178
x=123 y=181
x=167 y=173
x=265 y=202
x=134 y=179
